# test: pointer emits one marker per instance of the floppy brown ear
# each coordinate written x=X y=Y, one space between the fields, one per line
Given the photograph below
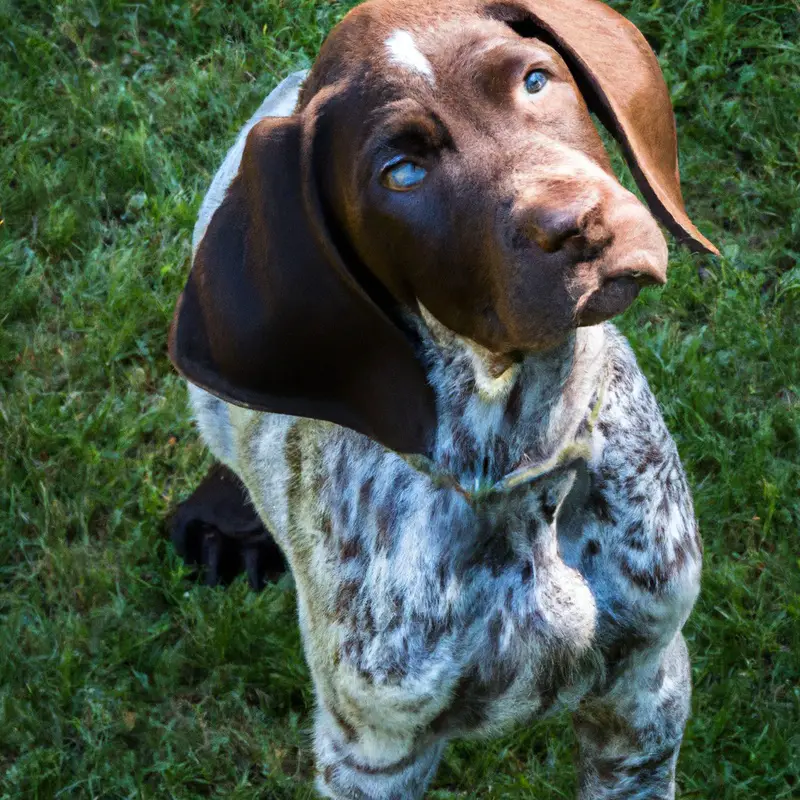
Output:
x=619 y=72
x=271 y=318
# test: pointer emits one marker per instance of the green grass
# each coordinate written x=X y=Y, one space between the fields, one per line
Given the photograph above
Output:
x=121 y=678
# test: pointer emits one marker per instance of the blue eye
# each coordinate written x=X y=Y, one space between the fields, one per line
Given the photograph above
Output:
x=535 y=81
x=402 y=176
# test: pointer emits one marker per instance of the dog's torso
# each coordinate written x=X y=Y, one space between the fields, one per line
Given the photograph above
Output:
x=427 y=614
x=423 y=617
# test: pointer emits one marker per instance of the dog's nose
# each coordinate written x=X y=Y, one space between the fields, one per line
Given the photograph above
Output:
x=556 y=221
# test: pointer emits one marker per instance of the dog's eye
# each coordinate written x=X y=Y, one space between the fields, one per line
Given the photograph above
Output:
x=535 y=81
x=403 y=175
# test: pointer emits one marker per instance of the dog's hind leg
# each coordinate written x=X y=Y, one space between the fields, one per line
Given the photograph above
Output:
x=218 y=530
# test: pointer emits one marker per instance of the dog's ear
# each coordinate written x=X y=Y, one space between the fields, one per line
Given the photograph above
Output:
x=272 y=319
x=622 y=83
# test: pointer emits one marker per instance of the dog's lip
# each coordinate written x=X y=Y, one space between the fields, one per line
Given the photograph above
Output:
x=613 y=297
x=619 y=287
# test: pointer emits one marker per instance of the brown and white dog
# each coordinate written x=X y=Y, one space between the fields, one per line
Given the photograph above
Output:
x=394 y=332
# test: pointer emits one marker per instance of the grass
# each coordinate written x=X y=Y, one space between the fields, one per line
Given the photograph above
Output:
x=121 y=678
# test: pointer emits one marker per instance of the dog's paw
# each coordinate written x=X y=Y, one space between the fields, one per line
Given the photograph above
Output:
x=218 y=530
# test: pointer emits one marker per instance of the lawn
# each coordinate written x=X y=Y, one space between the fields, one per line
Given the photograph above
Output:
x=119 y=677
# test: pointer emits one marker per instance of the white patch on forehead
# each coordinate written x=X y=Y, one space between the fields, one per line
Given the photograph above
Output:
x=404 y=52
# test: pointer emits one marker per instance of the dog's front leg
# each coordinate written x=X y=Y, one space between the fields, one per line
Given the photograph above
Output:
x=376 y=766
x=629 y=738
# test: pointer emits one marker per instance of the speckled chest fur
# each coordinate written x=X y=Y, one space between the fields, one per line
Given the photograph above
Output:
x=424 y=616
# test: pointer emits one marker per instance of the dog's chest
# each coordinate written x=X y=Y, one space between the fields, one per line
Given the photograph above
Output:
x=420 y=612
x=451 y=620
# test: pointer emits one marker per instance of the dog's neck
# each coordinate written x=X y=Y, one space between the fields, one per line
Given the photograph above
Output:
x=496 y=414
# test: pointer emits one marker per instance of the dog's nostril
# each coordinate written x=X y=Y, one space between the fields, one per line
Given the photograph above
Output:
x=642 y=278
x=552 y=228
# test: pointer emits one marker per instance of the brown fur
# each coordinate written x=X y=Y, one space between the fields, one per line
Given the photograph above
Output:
x=519 y=233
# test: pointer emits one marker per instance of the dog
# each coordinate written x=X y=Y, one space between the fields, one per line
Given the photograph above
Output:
x=395 y=334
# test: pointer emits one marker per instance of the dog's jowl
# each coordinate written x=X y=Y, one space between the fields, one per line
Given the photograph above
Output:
x=395 y=333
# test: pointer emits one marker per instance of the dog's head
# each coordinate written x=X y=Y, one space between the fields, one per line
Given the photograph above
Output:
x=442 y=154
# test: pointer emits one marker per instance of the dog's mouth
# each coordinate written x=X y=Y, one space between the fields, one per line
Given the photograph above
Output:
x=615 y=294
